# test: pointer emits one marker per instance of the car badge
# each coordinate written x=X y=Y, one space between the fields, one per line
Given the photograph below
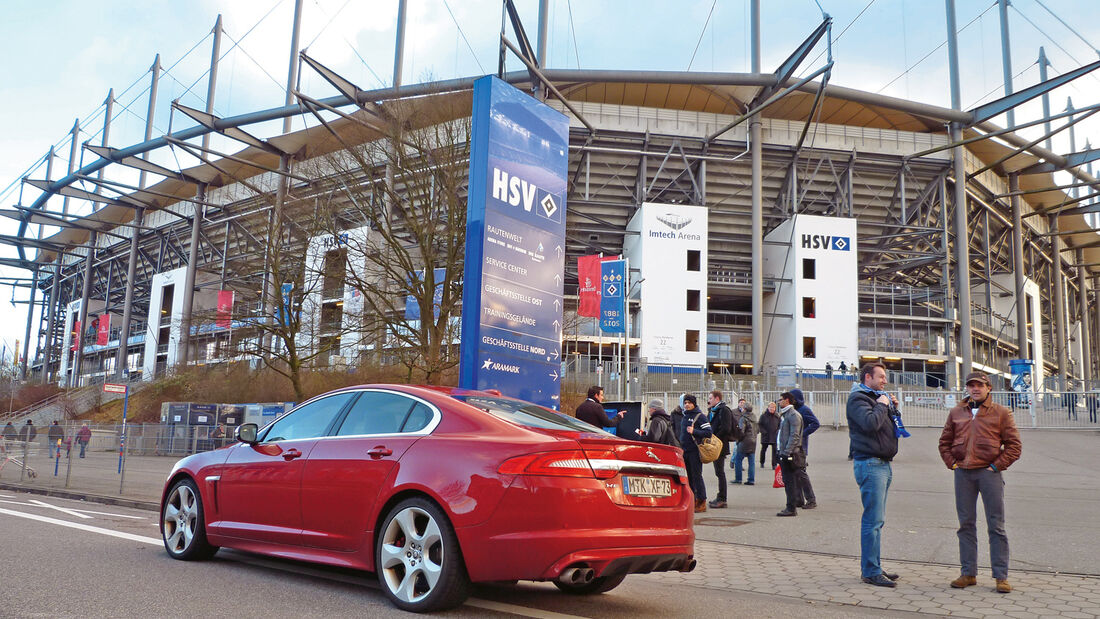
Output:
x=649 y=452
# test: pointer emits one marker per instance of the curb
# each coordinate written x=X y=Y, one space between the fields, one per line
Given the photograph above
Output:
x=83 y=496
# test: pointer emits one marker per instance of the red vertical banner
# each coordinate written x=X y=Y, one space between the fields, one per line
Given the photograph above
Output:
x=588 y=278
x=76 y=335
x=225 y=308
x=103 y=329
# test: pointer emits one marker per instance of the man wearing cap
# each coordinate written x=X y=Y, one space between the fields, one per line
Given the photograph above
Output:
x=660 y=426
x=979 y=441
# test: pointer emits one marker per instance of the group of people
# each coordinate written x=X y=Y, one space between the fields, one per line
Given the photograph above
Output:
x=784 y=427
x=978 y=443
x=55 y=436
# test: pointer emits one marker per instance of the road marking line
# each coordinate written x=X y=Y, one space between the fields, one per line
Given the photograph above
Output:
x=84 y=527
x=61 y=509
x=88 y=511
x=523 y=611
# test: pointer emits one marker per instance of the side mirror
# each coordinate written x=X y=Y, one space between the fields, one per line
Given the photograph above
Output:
x=246 y=433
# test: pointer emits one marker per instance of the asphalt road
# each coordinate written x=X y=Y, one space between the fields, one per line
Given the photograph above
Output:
x=64 y=558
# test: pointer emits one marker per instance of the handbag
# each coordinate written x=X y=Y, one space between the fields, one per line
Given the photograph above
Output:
x=778 y=483
x=709 y=449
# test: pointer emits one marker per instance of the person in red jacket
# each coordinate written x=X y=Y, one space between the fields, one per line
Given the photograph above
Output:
x=83 y=437
x=979 y=442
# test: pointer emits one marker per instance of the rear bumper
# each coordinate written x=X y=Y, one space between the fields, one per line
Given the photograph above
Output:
x=544 y=525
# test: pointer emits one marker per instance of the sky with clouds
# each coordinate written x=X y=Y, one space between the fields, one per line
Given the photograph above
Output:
x=61 y=57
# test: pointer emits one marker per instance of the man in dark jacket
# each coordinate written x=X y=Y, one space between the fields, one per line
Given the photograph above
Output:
x=28 y=432
x=746 y=443
x=721 y=422
x=769 y=431
x=810 y=424
x=874 y=443
x=696 y=428
x=979 y=442
x=591 y=410
x=56 y=433
x=660 y=426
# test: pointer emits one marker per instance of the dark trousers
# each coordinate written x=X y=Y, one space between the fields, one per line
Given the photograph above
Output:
x=720 y=471
x=764 y=450
x=694 y=468
x=969 y=483
x=805 y=488
x=790 y=483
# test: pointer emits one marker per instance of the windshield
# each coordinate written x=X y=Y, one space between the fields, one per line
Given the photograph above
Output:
x=526 y=414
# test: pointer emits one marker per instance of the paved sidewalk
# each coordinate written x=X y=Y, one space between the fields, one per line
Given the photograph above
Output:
x=923 y=587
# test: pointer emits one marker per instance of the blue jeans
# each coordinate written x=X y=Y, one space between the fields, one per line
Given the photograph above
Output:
x=738 y=455
x=873 y=476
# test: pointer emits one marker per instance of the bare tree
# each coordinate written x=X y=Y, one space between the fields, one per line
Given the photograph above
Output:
x=400 y=186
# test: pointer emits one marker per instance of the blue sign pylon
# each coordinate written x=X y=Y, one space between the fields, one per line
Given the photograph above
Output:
x=515 y=245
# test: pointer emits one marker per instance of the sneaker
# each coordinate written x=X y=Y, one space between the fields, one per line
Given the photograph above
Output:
x=879 y=580
x=1003 y=586
x=717 y=504
x=890 y=575
x=735 y=482
x=788 y=512
x=963 y=581
x=810 y=505
x=749 y=483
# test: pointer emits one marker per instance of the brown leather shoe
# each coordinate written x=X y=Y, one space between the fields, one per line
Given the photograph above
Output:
x=1003 y=586
x=700 y=507
x=963 y=581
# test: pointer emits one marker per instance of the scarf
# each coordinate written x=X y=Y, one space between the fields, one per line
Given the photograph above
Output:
x=899 y=427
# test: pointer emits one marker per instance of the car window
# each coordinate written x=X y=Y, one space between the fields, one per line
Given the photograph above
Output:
x=527 y=414
x=376 y=412
x=308 y=421
x=418 y=419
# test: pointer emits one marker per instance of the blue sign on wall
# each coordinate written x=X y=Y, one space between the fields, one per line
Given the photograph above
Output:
x=515 y=245
x=613 y=296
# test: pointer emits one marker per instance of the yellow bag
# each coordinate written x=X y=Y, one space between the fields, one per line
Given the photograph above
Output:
x=710 y=449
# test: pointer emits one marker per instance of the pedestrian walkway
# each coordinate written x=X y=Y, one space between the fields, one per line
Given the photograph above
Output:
x=923 y=587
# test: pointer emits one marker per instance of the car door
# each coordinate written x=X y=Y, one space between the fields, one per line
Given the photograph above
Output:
x=345 y=473
x=259 y=494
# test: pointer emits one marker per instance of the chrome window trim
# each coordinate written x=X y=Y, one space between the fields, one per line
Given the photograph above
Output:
x=437 y=416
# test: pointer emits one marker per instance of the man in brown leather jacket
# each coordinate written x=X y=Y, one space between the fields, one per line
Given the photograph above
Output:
x=979 y=441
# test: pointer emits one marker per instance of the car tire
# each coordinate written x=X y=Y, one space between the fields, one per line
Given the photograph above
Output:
x=417 y=558
x=183 y=524
x=600 y=584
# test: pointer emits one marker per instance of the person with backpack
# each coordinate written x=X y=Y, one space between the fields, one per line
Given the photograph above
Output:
x=696 y=428
x=660 y=428
x=746 y=445
x=722 y=424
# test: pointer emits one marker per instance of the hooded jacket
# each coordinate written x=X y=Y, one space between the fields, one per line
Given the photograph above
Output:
x=810 y=424
x=747 y=423
x=790 y=432
x=977 y=441
x=871 y=430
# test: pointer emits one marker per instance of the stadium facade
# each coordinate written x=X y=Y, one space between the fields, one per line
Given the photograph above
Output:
x=770 y=221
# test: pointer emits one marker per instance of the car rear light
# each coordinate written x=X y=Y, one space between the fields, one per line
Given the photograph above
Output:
x=605 y=464
x=572 y=463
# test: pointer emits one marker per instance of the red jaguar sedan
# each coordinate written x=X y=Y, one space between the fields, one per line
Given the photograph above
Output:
x=433 y=488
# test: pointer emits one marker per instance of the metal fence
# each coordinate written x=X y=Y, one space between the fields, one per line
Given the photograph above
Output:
x=104 y=464
x=1060 y=410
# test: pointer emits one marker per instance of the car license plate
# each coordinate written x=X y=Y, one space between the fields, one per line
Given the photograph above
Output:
x=647 y=486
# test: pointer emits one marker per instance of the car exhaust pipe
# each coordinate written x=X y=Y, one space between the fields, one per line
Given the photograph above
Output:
x=689 y=565
x=576 y=575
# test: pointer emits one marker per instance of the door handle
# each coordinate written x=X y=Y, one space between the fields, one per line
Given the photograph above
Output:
x=291 y=454
x=379 y=451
